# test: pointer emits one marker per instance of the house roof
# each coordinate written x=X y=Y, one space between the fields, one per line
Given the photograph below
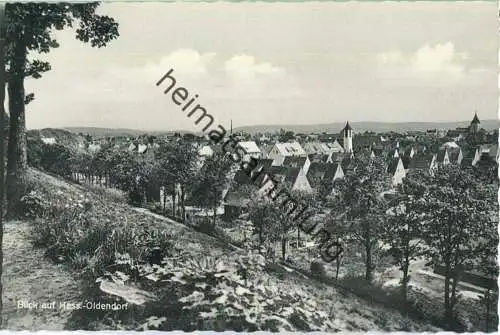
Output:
x=265 y=163
x=290 y=149
x=366 y=140
x=453 y=155
x=318 y=158
x=250 y=147
x=393 y=165
x=421 y=161
x=294 y=161
x=287 y=175
x=321 y=171
x=441 y=154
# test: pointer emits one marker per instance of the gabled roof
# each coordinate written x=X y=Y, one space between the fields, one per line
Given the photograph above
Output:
x=421 y=161
x=467 y=161
x=321 y=171
x=290 y=149
x=406 y=161
x=286 y=175
x=265 y=163
x=346 y=162
x=441 y=154
x=294 y=161
x=250 y=147
x=393 y=165
x=318 y=158
x=378 y=150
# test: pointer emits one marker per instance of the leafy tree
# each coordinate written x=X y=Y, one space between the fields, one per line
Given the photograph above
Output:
x=259 y=210
x=359 y=198
x=461 y=222
x=29 y=28
x=402 y=231
x=178 y=163
x=210 y=183
x=286 y=135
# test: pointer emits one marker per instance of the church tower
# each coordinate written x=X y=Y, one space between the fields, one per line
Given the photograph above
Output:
x=474 y=125
x=347 y=135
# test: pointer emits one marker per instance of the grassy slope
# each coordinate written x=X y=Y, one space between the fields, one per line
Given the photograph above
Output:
x=348 y=311
x=29 y=276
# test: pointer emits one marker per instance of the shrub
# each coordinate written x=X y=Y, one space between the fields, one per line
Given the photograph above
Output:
x=109 y=194
x=318 y=270
x=206 y=226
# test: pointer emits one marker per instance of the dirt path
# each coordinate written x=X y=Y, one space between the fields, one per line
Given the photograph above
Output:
x=29 y=277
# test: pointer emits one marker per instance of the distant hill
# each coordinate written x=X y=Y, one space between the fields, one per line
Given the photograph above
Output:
x=96 y=132
x=367 y=126
x=377 y=127
x=61 y=136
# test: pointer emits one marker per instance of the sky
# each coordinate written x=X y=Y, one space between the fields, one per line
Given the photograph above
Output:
x=276 y=63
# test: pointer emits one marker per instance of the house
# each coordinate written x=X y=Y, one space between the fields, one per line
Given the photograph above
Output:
x=48 y=140
x=322 y=147
x=94 y=147
x=442 y=157
x=396 y=170
x=319 y=158
x=281 y=150
x=376 y=151
x=300 y=162
x=324 y=173
x=251 y=150
x=456 y=156
x=131 y=147
x=486 y=149
x=408 y=151
x=293 y=178
x=421 y=161
x=205 y=151
x=142 y=148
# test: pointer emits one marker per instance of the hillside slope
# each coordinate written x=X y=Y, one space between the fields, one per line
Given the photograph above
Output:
x=342 y=310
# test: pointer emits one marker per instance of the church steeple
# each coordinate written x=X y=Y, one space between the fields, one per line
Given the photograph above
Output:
x=474 y=125
x=347 y=135
x=475 y=120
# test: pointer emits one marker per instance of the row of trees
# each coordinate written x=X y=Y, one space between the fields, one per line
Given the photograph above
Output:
x=175 y=167
x=449 y=218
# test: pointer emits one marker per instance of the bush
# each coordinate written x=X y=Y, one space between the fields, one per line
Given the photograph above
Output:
x=109 y=194
x=206 y=226
x=318 y=270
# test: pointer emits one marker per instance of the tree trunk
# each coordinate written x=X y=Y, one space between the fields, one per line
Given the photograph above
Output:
x=164 y=200
x=405 y=268
x=2 y=143
x=283 y=247
x=17 y=154
x=487 y=301
x=447 y=305
x=298 y=237
x=183 y=205
x=173 y=203
x=215 y=217
x=338 y=261
x=368 y=262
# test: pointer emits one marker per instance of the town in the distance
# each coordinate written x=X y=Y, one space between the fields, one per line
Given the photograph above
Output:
x=415 y=212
